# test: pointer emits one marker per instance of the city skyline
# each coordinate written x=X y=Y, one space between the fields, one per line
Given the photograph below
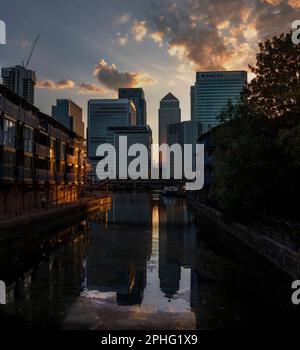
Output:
x=107 y=45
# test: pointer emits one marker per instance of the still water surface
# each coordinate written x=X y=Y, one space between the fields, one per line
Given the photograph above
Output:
x=151 y=265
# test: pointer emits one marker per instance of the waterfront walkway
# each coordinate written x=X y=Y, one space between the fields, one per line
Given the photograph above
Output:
x=285 y=256
x=25 y=217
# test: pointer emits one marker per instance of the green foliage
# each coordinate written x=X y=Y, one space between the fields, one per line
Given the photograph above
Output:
x=275 y=89
x=257 y=158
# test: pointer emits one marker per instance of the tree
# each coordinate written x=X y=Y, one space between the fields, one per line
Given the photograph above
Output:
x=228 y=112
x=257 y=158
x=275 y=89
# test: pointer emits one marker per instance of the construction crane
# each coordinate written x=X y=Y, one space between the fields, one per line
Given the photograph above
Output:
x=31 y=52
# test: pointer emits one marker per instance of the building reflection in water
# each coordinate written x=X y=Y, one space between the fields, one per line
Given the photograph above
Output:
x=140 y=229
x=118 y=254
x=131 y=208
x=110 y=259
x=176 y=244
x=41 y=275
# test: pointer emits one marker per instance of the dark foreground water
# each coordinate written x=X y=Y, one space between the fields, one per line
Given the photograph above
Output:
x=151 y=265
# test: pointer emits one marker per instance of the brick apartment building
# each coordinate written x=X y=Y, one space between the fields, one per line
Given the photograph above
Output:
x=42 y=163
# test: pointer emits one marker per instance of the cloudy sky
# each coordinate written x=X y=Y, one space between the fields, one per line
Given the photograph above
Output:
x=87 y=49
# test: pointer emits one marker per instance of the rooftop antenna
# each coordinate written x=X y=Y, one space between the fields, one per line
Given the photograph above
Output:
x=31 y=52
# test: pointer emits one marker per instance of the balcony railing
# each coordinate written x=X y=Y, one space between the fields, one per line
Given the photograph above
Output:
x=31 y=119
x=7 y=139
x=42 y=175
x=42 y=151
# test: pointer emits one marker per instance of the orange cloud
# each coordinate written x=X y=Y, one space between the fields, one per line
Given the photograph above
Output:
x=91 y=88
x=112 y=78
x=66 y=84
x=139 y=30
x=294 y=3
x=122 y=39
x=52 y=85
x=216 y=34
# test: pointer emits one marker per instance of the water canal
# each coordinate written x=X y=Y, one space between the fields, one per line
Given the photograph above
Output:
x=147 y=264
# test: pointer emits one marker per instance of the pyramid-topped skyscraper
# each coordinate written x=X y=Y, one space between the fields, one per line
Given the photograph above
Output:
x=169 y=113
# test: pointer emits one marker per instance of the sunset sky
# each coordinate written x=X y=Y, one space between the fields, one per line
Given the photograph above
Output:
x=88 y=49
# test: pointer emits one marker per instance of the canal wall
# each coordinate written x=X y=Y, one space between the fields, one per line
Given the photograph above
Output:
x=283 y=257
x=49 y=220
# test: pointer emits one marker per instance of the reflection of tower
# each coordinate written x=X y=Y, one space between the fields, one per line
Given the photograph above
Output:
x=155 y=228
x=41 y=279
x=131 y=209
x=117 y=257
x=169 y=271
x=136 y=285
x=175 y=244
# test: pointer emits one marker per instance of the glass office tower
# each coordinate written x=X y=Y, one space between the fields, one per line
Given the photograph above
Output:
x=137 y=96
x=211 y=94
x=103 y=115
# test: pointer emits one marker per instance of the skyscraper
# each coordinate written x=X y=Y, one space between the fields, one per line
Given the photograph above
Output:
x=69 y=114
x=137 y=96
x=211 y=93
x=20 y=80
x=184 y=133
x=169 y=113
x=103 y=115
x=193 y=106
